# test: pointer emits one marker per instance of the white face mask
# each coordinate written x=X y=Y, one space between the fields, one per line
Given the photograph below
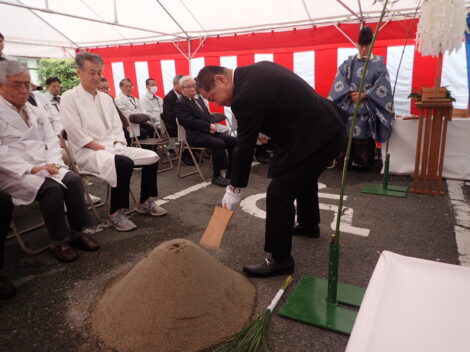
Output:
x=153 y=89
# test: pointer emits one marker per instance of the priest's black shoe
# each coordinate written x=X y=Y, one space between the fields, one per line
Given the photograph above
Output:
x=7 y=289
x=270 y=267
x=312 y=232
x=220 y=181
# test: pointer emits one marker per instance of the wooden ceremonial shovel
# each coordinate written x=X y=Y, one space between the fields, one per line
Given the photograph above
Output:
x=212 y=237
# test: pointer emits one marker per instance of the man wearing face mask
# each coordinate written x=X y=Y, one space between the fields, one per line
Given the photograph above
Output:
x=151 y=103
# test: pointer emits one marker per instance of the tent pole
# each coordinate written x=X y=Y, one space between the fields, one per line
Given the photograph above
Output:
x=115 y=12
x=347 y=37
x=169 y=14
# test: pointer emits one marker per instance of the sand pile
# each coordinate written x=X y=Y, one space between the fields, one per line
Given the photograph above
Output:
x=179 y=298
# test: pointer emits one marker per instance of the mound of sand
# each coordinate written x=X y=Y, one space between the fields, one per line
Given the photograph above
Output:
x=179 y=298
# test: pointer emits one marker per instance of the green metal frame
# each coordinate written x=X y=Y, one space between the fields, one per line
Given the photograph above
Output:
x=385 y=189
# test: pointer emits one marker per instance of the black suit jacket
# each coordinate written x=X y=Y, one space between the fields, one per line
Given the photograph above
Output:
x=271 y=99
x=168 y=114
x=196 y=121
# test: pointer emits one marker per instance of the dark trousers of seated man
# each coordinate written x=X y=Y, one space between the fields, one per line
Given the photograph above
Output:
x=299 y=183
x=6 y=211
x=52 y=196
x=124 y=169
x=217 y=143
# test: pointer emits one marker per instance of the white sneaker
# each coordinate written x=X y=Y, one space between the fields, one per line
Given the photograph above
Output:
x=150 y=207
x=93 y=198
x=121 y=222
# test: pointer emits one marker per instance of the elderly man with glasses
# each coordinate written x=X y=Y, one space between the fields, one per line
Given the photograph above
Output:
x=201 y=132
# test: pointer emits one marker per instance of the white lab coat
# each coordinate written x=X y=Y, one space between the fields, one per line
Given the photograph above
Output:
x=152 y=105
x=84 y=124
x=22 y=148
x=52 y=113
x=128 y=107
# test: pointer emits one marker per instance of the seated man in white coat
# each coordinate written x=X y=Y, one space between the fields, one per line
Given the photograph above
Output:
x=32 y=167
x=97 y=141
x=129 y=105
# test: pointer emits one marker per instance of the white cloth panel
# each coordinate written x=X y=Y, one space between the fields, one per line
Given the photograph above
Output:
x=196 y=64
x=401 y=102
x=304 y=66
x=228 y=61
x=413 y=305
x=344 y=53
x=402 y=148
x=168 y=72
x=118 y=75
x=454 y=76
x=264 y=57
x=142 y=73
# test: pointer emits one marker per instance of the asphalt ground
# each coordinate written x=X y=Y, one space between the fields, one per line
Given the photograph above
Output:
x=52 y=309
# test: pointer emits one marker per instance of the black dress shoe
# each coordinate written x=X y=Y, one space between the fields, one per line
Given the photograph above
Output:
x=312 y=232
x=7 y=289
x=270 y=267
x=64 y=253
x=220 y=181
x=85 y=243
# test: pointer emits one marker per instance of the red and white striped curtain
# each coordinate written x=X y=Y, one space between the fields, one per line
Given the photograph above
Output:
x=317 y=62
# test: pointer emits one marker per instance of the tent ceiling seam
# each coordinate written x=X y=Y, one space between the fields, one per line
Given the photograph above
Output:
x=52 y=12
x=52 y=26
x=101 y=18
x=192 y=15
x=349 y=9
x=174 y=20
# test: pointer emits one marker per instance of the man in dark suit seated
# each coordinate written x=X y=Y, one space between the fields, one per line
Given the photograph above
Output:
x=169 y=117
x=201 y=132
x=309 y=131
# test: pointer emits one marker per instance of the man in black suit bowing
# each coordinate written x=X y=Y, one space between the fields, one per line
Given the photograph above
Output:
x=309 y=132
x=196 y=119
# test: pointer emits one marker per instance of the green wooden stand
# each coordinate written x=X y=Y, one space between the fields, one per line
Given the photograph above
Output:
x=307 y=303
x=385 y=189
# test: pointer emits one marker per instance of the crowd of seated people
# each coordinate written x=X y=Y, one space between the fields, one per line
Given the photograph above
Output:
x=99 y=128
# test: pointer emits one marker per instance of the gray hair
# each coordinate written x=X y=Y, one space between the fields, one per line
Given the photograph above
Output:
x=83 y=56
x=184 y=79
x=10 y=68
x=176 y=79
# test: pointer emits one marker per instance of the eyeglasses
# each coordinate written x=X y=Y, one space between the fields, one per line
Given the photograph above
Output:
x=19 y=85
x=190 y=87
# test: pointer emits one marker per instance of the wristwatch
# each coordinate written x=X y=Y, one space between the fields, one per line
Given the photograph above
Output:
x=58 y=166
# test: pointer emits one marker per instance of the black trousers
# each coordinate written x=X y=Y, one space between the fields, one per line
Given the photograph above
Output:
x=217 y=143
x=146 y=131
x=124 y=169
x=299 y=183
x=6 y=212
x=52 y=196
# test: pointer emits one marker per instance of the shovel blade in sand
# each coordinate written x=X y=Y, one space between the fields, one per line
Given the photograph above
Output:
x=212 y=237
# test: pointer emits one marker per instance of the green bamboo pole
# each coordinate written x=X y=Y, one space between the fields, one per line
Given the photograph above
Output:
x=333 y=264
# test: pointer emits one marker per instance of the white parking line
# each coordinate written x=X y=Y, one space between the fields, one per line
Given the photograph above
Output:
x=462 y=219
x=249 y=206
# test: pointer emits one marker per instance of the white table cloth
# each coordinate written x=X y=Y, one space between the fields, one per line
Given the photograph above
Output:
x=457 y=153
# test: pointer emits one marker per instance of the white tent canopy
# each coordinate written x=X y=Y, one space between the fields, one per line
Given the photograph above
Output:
x=58 y=27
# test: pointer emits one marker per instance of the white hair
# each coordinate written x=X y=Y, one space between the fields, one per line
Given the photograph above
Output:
x=10 y=68
x=184 y=79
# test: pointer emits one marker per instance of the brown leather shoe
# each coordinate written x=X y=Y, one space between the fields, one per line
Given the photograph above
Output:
x=85 y=243
x=64 y=253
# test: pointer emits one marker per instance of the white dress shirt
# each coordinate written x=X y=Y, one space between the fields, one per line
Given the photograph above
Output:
x=152 y=106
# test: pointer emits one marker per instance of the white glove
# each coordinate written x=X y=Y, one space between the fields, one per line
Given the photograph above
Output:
x=232 y=197
x=119 y=148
